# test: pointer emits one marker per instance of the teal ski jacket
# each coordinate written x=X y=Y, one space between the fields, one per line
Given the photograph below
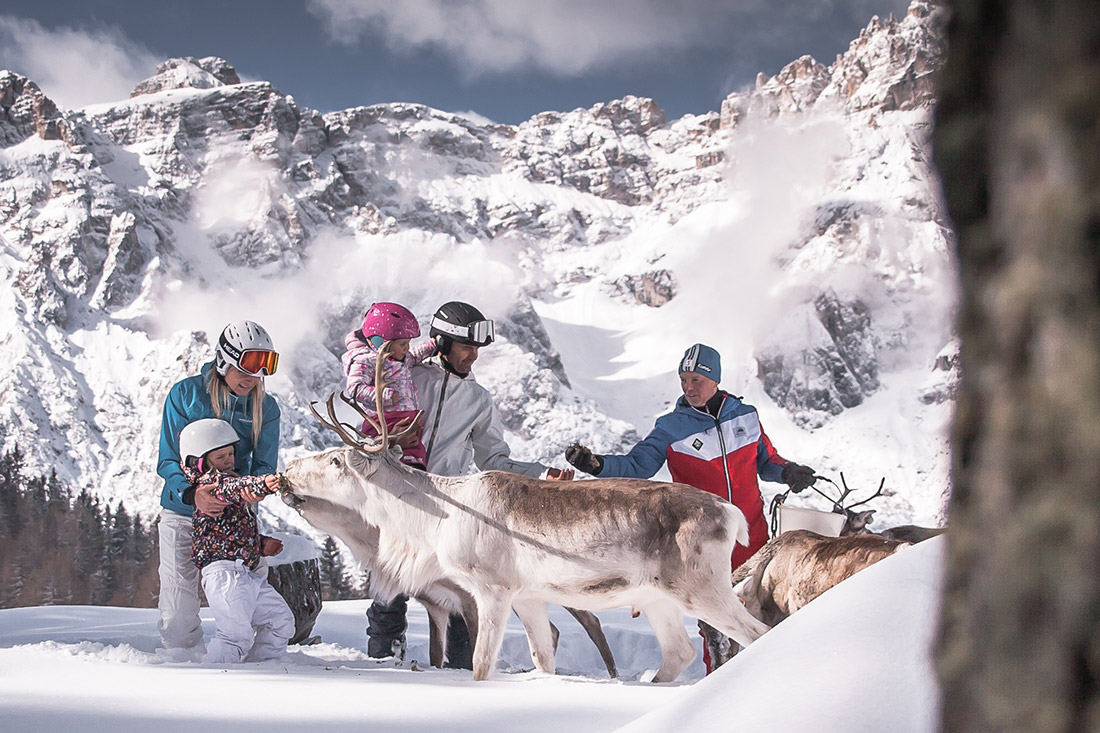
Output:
x=188 y=401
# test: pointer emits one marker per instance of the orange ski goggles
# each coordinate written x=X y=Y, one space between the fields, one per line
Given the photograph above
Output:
x=254 y=361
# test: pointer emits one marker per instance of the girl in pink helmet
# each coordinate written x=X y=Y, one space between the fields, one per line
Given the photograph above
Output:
x=396 y=324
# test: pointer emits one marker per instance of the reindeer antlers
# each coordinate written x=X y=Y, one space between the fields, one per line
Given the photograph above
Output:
x=359 y=441
x=838 y=504
x=872 y=496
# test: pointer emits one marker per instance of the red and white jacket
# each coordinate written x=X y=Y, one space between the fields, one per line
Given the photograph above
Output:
x=721 y=455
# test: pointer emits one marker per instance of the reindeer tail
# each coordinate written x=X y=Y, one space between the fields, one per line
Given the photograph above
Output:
x=738 y=525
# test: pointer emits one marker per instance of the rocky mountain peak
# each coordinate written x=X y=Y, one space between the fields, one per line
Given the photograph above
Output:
x=27 y=111
x=638 y=114
x=889 y=67
x=187 y=72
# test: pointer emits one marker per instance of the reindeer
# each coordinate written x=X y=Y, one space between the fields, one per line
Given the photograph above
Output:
x=515 y=542
x=857 y=522
x=440 y=598
x=798 y=566
x=390 y=574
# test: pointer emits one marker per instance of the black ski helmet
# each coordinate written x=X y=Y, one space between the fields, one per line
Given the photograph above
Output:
x=461 y=322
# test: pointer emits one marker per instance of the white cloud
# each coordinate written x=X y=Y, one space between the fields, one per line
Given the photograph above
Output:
x=74 y=67
x=570 y=37
x=566 y=37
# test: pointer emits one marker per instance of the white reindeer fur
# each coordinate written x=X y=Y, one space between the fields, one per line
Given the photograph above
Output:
x=516 y=542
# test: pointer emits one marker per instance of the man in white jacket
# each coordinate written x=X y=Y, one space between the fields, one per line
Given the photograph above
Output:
x=462 y=430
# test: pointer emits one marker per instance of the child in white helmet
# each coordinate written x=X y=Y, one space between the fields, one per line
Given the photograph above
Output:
x=394 y=323
x=253 y=621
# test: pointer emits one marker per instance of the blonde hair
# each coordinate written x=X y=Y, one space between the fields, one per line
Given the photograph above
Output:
x=220 y=393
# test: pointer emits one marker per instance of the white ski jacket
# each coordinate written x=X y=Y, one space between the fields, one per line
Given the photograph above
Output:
x=462 y=425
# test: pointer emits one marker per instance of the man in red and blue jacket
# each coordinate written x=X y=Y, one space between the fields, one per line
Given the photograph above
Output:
x=712 y=441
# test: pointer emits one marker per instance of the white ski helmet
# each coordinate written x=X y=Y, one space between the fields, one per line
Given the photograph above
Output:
x=240 y=338
x=202 y=436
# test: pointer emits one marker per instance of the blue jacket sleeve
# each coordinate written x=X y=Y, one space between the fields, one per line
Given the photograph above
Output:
x=643 y=460
x=265 y=454
x=769 y=464
x=174 y=419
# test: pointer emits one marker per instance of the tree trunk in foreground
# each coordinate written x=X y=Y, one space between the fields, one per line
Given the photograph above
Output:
x=1017 y=144
x=299 y=583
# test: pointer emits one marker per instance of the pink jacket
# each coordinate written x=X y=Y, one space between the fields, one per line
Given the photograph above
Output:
x=359 y=361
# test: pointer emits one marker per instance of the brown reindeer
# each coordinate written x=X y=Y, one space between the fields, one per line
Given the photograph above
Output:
x=390 y=572
x=440 y=598
x=798 y=566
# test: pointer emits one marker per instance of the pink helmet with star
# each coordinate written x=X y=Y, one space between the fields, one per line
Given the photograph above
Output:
x=390 y=321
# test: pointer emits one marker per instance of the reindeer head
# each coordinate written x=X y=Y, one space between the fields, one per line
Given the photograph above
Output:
x=337 y=476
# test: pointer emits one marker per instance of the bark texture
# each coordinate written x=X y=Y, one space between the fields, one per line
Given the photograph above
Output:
x=1017 y=145
x=299 y=583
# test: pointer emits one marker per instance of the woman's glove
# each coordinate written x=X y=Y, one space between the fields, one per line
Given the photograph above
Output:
x=584 y=459
x=797 y=477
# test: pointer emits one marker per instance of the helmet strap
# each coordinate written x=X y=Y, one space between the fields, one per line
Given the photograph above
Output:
x=448 y=366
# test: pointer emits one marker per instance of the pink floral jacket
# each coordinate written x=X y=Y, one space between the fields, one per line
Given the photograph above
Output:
x=359 y=361
x=234 y=535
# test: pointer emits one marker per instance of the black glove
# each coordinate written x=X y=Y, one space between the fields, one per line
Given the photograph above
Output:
x=584 y=459
x=797 y=477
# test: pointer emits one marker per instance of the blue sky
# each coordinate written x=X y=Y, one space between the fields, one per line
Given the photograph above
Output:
x=503 y=59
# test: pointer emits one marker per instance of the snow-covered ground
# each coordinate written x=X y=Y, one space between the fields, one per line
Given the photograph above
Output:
x=855 y=659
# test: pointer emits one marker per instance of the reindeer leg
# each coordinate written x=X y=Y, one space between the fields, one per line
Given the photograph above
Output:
x=468 y=609
x=438 y=618
x=492 y=618
x=718 y=604
x=539 y=636
x=591 y=624
x=677 y=651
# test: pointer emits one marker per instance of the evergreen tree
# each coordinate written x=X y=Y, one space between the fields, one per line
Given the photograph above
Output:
x=334 y=581
x=11 y=479
x=57 y=549
x=14 y=581
x=140 y=541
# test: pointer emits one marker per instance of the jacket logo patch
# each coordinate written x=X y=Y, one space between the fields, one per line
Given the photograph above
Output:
x=697 y=444
x=739 y=431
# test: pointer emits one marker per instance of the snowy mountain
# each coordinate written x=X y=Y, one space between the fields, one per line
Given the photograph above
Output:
x=798 y=230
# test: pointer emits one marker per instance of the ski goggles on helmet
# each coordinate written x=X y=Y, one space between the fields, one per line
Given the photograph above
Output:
x=478 y=333
x=254 y=361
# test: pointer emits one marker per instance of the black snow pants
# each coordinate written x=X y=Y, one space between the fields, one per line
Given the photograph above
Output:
x=386 y=625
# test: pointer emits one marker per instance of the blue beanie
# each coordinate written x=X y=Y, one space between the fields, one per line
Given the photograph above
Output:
x=704 y=360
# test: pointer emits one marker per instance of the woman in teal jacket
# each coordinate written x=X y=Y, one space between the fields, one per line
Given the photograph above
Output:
x=230 y=388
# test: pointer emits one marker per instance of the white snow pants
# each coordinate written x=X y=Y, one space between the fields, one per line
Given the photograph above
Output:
x=254 y=622
x=179 y=583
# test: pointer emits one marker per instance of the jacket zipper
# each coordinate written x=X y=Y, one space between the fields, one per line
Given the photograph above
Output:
x=722 y=445
x=438 y=414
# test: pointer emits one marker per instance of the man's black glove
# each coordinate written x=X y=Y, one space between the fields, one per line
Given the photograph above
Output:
x=584 y=459
x=797 y=477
